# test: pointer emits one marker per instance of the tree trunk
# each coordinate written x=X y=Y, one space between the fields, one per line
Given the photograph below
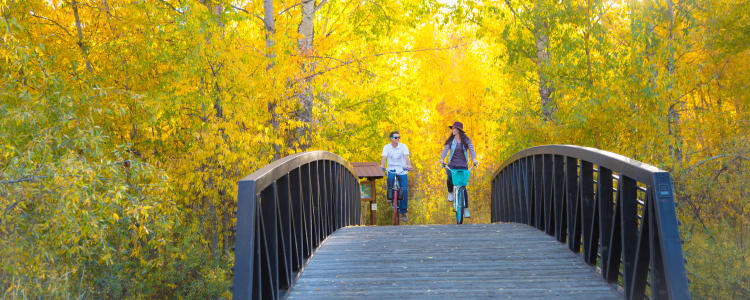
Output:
x=217 y=10
x=302 y=134
x=215 y=226
x=81 y=43
x=673 y=116
x=270 y=27
x=587 y=45
x=541 y=40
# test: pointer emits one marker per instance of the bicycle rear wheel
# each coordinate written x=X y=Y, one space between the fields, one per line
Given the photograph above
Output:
x=395 y=207
x=458 y=204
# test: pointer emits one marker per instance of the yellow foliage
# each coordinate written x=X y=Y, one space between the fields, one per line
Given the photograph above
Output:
x=122 y=145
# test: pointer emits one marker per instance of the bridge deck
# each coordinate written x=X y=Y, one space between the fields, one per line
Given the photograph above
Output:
x=447 y=261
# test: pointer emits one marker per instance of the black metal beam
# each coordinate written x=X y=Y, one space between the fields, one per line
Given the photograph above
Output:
x=570 y=199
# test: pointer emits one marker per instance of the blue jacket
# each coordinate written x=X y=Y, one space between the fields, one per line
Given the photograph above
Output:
x=452 y=148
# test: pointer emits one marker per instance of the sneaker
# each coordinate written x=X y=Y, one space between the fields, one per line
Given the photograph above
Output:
x=450 y=197
x=466 y=213
x=404 y=218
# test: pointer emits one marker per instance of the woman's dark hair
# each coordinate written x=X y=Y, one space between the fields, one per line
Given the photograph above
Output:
x=464 y=139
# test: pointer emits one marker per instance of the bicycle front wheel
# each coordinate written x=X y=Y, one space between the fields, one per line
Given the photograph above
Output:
x=395 y=207
x=458 y=205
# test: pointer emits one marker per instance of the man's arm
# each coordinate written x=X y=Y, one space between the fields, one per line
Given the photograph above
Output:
x=406 y=156
x=382 y=162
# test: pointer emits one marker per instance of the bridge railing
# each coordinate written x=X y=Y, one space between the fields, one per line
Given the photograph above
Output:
x=284 y=211
x=618 y=213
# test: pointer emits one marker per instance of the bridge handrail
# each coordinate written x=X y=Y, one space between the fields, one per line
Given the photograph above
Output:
x=552 y=188
x=615 y=162
x=284 y=211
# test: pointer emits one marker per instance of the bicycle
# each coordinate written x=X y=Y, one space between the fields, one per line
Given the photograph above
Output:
x=460 y=179
x=396 y=189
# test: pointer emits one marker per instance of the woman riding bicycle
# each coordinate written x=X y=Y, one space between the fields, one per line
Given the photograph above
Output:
x=397 y=155
x=459 y=145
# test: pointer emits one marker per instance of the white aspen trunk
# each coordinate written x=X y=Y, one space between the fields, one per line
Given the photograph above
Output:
x=306 y=28
x=270 y=27
x=589 y=14
x=302 y=134
x=541 y=39
x=673 y=116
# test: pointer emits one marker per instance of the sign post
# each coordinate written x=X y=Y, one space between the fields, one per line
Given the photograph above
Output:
x=369 y=171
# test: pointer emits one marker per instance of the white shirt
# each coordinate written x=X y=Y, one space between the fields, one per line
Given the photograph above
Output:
x=395 y=156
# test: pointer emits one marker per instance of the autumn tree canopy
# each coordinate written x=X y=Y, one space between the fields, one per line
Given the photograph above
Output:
x=126 y=124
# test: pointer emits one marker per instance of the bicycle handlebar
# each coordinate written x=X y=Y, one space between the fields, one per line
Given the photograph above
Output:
x=449 y=168
x=394 y=171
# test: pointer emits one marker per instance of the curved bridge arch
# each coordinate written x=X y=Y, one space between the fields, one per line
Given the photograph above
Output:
x=557 y=189
x=284 y=211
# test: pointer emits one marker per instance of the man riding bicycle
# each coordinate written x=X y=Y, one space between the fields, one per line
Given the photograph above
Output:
x=397 y=155
x=459 y=145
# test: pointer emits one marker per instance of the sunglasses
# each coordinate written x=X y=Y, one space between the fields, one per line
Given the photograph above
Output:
x=395 y=137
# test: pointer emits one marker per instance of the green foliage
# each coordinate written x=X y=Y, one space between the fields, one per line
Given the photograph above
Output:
x=715 y=213
x=125 y=125
x=81 y=217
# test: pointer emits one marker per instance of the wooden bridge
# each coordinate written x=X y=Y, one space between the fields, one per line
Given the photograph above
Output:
x=568 y=222
x=447 y=261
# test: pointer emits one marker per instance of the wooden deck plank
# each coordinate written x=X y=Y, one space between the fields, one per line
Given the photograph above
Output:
x=447 y=261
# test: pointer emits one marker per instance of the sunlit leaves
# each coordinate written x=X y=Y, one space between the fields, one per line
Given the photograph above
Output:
x=120 y=181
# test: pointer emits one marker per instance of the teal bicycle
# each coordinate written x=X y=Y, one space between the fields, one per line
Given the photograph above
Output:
x=460 y=179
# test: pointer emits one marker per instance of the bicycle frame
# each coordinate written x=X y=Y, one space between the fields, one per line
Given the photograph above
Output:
x=459 y=201
x=396 y=189
x=458 y=204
